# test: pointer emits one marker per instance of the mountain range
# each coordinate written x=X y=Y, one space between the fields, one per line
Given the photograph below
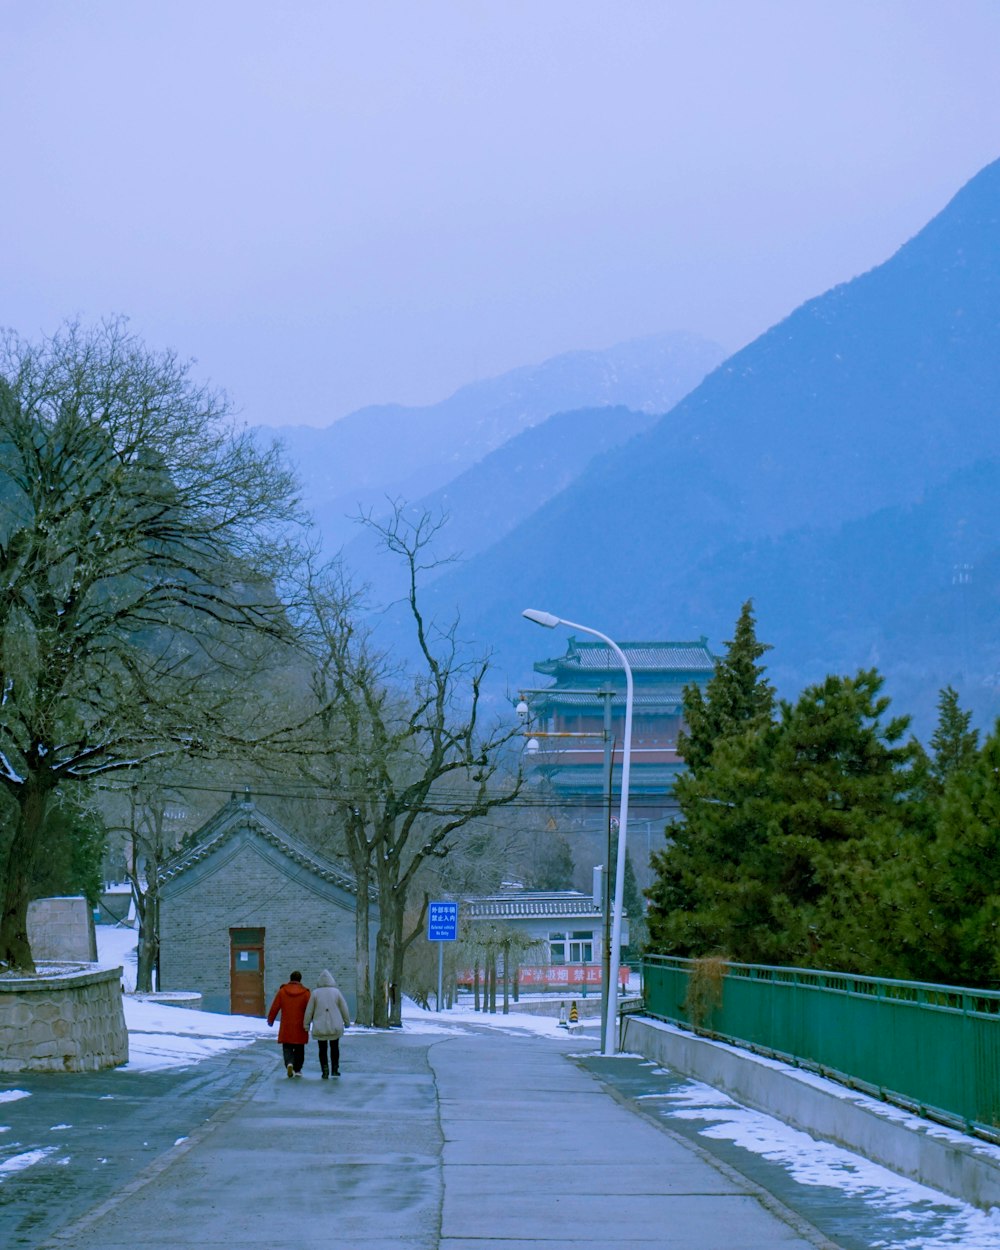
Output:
x=394 y=452
x=841 y=470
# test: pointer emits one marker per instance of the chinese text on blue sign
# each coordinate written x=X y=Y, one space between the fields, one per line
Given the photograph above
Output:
x=442 y=922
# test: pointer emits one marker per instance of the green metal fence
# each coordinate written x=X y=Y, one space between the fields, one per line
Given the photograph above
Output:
x=933 y=1048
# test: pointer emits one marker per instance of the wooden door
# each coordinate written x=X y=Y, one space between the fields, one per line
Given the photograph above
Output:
x=246 y=972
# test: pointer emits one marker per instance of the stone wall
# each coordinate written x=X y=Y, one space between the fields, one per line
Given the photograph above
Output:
x=62 y=930
x=70 y=1022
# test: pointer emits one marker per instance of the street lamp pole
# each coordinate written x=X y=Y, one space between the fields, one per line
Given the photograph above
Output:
x=550 y=622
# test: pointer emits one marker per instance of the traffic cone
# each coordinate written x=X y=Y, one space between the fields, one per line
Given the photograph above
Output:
x=574 y=1015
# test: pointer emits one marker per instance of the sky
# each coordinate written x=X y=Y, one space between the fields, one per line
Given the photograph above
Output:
x=333 y=204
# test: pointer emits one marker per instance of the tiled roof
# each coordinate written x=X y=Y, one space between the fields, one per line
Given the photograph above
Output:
x=641 y=656
x=520 y=903
x=241 y=814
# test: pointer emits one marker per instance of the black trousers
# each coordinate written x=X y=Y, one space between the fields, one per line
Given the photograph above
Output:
x=334 y=1044
x=293 y=1053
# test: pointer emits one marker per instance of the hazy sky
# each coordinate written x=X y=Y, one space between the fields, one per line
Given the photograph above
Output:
x=333 y=204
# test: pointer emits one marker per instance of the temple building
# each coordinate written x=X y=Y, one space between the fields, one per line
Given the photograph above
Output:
x=576 y=723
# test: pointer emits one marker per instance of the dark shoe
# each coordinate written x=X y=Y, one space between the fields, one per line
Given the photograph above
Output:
x=336 y=1072
x=325 y=1073
x=290 y=1070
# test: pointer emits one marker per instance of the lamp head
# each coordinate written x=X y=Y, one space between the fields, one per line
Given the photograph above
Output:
x=541 y=618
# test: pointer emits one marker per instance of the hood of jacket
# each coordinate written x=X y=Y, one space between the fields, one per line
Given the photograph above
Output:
x=325 y=978
x=294 y=988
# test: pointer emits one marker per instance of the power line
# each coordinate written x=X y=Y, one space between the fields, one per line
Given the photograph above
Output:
x=317 y=794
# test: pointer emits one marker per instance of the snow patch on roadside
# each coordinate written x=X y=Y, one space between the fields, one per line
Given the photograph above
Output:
x=937 y=1220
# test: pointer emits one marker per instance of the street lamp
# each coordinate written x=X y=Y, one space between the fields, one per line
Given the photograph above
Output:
x=550 y=622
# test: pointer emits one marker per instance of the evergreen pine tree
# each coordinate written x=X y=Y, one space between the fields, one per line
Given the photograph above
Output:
x=953 y=744
x=783 y=858
x=737 y=695
x=950 y=917
x=699 y=871
x=840 y=786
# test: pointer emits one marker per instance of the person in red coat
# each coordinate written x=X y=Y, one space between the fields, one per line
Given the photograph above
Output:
x=290 y=1003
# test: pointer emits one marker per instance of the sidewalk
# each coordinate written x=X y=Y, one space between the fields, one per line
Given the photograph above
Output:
x=473 y=1141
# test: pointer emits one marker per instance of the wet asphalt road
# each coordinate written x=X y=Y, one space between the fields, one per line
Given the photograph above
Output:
x=100 y=1130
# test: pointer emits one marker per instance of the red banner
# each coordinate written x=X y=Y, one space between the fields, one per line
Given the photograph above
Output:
x=555 y=975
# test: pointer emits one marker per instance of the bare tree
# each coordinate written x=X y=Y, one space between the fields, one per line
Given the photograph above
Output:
x=140 y=538
x=406 y=768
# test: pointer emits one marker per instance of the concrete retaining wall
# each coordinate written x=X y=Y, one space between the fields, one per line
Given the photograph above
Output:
x=553 y=1006
x=71 y=1022
x=952 y=1162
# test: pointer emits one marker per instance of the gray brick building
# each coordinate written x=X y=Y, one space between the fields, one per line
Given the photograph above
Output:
x=245 y=905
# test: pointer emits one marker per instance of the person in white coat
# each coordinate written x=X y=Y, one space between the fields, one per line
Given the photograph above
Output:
x=328 y=1013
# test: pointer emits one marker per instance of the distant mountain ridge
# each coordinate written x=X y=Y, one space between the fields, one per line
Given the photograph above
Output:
x=491 y=497
x=394 y=451
x=861 y=401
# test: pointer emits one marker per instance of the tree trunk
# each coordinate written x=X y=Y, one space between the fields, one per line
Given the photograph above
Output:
x=493 y=983
x=401 y=944
x=147 y=908
x=149 y=942
x=15 y=951
x=475 y=982
x=364 y=1012
x=517 y=981
x=388 y=940
x=383 y=964
x=506 y=980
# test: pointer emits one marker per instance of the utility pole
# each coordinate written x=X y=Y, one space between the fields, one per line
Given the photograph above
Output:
x=609 y=762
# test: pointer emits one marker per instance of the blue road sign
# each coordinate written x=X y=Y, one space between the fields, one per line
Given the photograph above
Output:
x=442 y=922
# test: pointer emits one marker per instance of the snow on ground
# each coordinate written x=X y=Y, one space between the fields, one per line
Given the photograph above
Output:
x=116 y=945
x=884 y=1110
x=175 y=1037
x=937 y=1220
x=26 y=1160
x=457 y=1020
x=162 y=1036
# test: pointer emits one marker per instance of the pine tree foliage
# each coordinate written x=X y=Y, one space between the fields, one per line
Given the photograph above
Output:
x=780 y=861
x=738 y=695
x=954 y=744
x=824 y=836
x=949 y=884
x=716 y=797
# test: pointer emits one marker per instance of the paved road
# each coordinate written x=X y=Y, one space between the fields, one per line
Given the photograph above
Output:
x=476 y=1140
x=98 y=1131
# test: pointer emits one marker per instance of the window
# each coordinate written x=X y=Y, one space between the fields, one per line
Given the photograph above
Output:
x=574 y=948
x=581 y=947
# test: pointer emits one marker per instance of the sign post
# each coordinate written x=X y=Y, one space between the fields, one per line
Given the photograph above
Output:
x=442 y=926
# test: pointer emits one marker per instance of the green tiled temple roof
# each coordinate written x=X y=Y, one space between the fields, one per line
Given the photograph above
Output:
x=645 y=658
